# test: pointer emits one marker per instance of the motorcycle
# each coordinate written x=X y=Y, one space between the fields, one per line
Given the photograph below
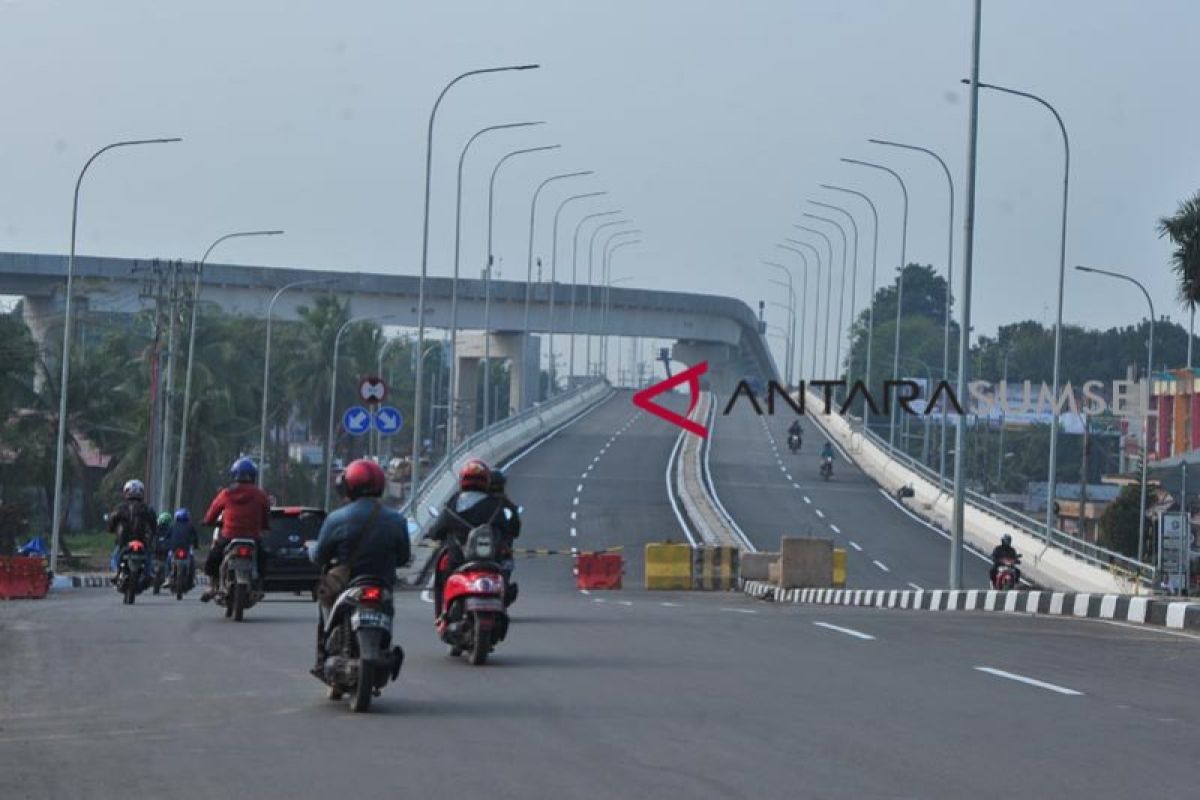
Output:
x=827 y=467
x=473 y=619
x=1007 y=574
x=359 y=656
x=238 y=578
x=794 y=442
x=132 y=577
x=182 y=573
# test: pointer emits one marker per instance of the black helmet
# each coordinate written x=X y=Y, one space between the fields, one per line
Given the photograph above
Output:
x=1006 y=540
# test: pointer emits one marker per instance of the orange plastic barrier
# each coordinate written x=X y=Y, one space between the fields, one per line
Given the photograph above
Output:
x=23 y=578
x=598 y=570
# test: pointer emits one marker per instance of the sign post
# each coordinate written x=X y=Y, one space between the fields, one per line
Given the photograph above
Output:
x=1173 y=547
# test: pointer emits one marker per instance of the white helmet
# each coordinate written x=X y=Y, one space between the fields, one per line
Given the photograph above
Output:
x=134 y=490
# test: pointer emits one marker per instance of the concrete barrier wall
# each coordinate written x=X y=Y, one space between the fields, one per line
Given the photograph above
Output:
x=805 y=563
x=756 y=566
x=1044 y=565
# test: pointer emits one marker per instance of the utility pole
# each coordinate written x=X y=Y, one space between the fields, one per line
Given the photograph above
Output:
x=168 y=392
x=1083 y=477
x=153 y=289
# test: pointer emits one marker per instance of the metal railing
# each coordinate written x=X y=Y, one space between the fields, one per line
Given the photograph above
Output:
x=1068 y=543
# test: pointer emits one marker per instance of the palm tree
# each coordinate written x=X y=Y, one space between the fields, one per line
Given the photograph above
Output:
x=1183 y=228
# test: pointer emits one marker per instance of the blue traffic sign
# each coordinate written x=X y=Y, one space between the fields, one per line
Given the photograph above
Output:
x=388 y=420
x=356 y=420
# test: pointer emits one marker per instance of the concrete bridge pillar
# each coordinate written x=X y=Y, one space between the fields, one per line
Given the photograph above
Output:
x=521 y=351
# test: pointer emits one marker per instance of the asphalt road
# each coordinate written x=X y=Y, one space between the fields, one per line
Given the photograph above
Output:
x=770 y=491
x=617 y=694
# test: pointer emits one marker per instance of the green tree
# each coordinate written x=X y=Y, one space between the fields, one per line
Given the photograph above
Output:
x=1119 y=522
x=1183 y=229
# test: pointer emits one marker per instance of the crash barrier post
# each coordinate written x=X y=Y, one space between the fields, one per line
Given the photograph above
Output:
x=714 y=567
x=805 y=563
x=598 y=570
x=668 y=566
x=23 y=578
x=839 y=568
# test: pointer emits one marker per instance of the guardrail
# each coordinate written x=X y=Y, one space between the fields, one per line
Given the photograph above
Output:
x=497 y=442
x=1072 y=545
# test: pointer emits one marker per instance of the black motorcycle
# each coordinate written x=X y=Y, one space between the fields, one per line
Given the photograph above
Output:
x=183 y=573
x=132 y=574
x=827 y=467
x=359 y=656
x=794 y=442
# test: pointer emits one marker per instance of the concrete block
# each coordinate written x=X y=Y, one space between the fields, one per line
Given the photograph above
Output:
x=754 y=566
x=773 y=572
x=805 y=563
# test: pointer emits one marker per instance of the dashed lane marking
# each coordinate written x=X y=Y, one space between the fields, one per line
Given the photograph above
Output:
x=739 y=610
x=819 y=513
x=856 y=546
x=881 y=565
x=834 y=528
x=806 y=500
x=847 y=631
x=1012 y=676
x=915 y=586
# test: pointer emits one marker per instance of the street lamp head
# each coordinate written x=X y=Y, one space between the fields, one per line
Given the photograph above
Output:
x=167 y=140
x=528 y=66
x=1085 y=269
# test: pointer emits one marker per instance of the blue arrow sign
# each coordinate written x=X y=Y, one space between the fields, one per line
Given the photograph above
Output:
x=388 y=420
x=356 y=420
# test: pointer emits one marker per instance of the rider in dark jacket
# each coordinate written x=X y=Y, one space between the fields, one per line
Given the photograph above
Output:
x=473 y=505
x=378 y=557
x=131 y=520
x=1004 y=551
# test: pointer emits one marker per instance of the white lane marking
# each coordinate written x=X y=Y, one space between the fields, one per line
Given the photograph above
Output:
x=594 y=460
x=807 y=500
x=856 y=546
x=783 y=469
x=575 y=502
x=426 y=597
x=572 y=531
x=787 y=476
x=847 y=631
x=913 y=585
x=585 y=591
x=739 y=610
x=1012 y=676
x=589 y=469
x=881 y=565
x=579 y=488
x=820 y=513
x=834 y=528
x=574 y=515
x=599 y=600
x=583 y=475
x=625 y=602
x=795 y=485
x=671 y=605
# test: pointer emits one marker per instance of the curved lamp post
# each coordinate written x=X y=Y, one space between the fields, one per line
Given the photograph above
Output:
x=841 y=331
x=800 y=307
x=791 y=308
x=812 y=366
x=588 y=365
x=575 y=279
x=828 y=294
x=554 y=278
x=606 y=282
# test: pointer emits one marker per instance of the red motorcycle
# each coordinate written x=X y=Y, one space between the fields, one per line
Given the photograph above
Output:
x=473 y=618
x=1007 y=574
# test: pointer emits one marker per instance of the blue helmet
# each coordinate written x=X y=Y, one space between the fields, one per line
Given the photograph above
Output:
x=243 y=471
x=182 y=515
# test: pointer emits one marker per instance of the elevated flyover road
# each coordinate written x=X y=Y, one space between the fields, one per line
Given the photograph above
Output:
x=616 y=694
x=770 y=491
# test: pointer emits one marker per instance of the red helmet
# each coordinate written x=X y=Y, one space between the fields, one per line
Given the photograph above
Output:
x=475 y=475
x=361 y=478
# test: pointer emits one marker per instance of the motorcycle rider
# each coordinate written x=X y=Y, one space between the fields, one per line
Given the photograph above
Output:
x=794 y=430
x=362 y=484
x=1004 y=552
x=161 y=533
x=827 y=455
x=182 y=535
x=131 y=520
x=468 y=508
x=244 y=511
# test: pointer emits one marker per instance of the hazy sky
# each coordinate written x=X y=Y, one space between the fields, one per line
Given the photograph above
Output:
x=709 y=123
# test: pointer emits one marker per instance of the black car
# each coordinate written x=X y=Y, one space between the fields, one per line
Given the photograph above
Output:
x=288 y=566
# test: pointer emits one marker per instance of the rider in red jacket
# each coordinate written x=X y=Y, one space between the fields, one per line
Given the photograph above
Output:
x=244 y=512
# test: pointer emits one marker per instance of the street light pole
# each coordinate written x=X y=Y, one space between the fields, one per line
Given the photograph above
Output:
x=610 y=282
x=899 y=281
x=841 y=330
x=575 y=278
x=419 y=380
x=828 y=296
x=1141 y=553
x=964 y=324
x=266 y=387
x=329 y=448
x=874 y=264
x=554 y=278
x=797 y=324
x=812 y=367
x=605 y=261
x=588 y=365
x=487 y=278
x=949 y=284
x=853 y=277
x=791 y=348
x=452 y=415
x=529 y=265
x=1062 y=275
x=65 y=374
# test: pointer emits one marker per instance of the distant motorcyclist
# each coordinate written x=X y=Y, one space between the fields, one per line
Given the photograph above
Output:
x=162 y=532
x=244 y=512
x=827 y=452
x=384 y=549
x=182 y=535
x=794 y=431
x=468 y=508
x=131 y=520
x=1004 y=552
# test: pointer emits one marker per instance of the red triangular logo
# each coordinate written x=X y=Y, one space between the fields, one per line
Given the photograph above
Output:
x=690 y=376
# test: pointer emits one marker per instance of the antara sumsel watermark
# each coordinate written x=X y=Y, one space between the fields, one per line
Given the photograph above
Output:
x=1125 y=398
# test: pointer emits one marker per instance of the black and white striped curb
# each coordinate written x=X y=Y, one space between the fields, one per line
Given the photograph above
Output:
x=101 y=580
x=1178 y=614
